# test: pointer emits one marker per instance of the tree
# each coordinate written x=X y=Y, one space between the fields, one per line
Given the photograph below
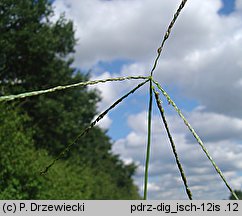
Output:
x=20 y=164
x=35 y=53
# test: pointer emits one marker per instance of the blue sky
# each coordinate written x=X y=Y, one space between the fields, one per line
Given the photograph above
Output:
x=118 y=115
x=119 y=126
x=200 y=68
x=228 y=6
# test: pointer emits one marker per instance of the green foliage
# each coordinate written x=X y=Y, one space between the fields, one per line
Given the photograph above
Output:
x=20 y=164
x=238 y=193
x=35 y=54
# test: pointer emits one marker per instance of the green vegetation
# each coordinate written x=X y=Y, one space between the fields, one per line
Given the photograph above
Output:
x=35 y=54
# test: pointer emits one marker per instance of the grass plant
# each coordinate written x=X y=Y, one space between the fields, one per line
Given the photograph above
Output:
x=152 y=84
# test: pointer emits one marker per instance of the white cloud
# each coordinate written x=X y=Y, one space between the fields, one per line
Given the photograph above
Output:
x=116 y=29
x=202 y=55
x=214 y=127
x=112 y=91
x=202 y=59
x=109 y=91
x=204 y=47
x=105 y=123
x=204 y=181
x=238 y=5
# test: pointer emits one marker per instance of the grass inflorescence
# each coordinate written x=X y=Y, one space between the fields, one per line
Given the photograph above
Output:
x=152 y=91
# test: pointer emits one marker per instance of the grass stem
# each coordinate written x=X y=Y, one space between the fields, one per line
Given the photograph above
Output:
x=86 y=130
x=167 y=34
x=59 y=88
x=196 y=137
x=183 y=176
x=147 y=159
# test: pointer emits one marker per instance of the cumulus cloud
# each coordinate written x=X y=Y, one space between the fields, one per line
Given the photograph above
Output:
x=112 y=91
x=216 y=127
x=238 y=4
x=203 y=180
x=212 y=76
x=105 y=123
x=116 y=29
x=202 y=55
x=201 y=60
